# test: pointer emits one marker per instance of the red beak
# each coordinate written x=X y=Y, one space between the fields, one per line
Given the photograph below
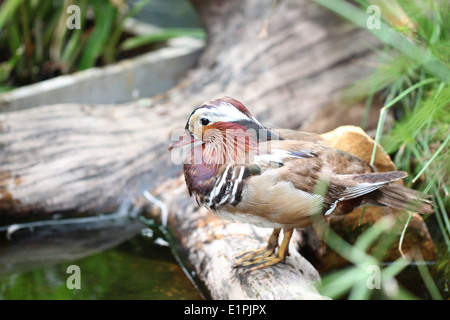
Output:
x=185 y=139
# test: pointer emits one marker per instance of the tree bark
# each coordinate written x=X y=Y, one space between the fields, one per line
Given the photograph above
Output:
x=77 y=160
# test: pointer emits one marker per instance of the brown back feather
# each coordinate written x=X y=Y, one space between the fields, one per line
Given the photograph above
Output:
x=400 y=197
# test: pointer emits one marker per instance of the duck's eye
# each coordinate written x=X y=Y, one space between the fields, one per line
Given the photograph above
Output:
x=204 y=121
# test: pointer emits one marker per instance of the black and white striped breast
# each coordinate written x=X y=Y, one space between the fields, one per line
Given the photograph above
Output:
x=228 y=187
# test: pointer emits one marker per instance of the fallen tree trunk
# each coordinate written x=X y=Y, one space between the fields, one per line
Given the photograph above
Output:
x=77 y=160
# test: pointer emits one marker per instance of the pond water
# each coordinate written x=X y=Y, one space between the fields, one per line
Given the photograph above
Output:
x=140 y=268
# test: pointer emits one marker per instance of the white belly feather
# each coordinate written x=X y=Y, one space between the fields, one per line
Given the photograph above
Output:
x=248 y=218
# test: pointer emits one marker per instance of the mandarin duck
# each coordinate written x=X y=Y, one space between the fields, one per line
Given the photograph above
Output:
x=241 y=170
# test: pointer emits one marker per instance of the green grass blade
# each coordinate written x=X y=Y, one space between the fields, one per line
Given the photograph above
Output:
x=442 y=219
x=76 y=42
x=7 y=11
x=105 y=14
x=360 y=290
x=164 y=35
x=389 y=36
x=394 y=268
x=111 y=47
x=373 y=233
x=443 y=145
x=136 y=8
x=384 y=111
x=58 y=35
x=338 y=283
x=16 y=49
x=428 y=280
x=402 y=236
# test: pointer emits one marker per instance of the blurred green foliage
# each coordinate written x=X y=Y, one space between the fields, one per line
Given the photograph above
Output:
x=38 y=40
x=412 y=77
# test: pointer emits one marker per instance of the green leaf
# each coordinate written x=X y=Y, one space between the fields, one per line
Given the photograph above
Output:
x=111 y=47
x=5 y=70
x=7 y=11
x=391 y=37
x=76 y=42
x=338 y=283
x=360 y=290
x=105 y=15
x=16 y=50
x=161 y=36
x=373 y=233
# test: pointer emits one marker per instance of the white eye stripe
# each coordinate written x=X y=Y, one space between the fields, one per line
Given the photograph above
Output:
x=225 y=112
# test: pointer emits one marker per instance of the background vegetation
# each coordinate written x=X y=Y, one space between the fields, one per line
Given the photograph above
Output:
x=412 y=77
x=36 y=44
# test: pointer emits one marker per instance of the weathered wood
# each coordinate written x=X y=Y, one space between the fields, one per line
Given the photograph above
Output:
x=72 y=159
x=79 y=159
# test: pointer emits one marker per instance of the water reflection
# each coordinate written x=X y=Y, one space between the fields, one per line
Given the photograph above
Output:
x=136 y=269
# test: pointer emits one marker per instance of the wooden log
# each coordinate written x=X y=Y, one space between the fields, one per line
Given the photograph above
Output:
x=76 y=160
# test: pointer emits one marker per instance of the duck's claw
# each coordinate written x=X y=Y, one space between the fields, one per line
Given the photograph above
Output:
x=261 y=258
